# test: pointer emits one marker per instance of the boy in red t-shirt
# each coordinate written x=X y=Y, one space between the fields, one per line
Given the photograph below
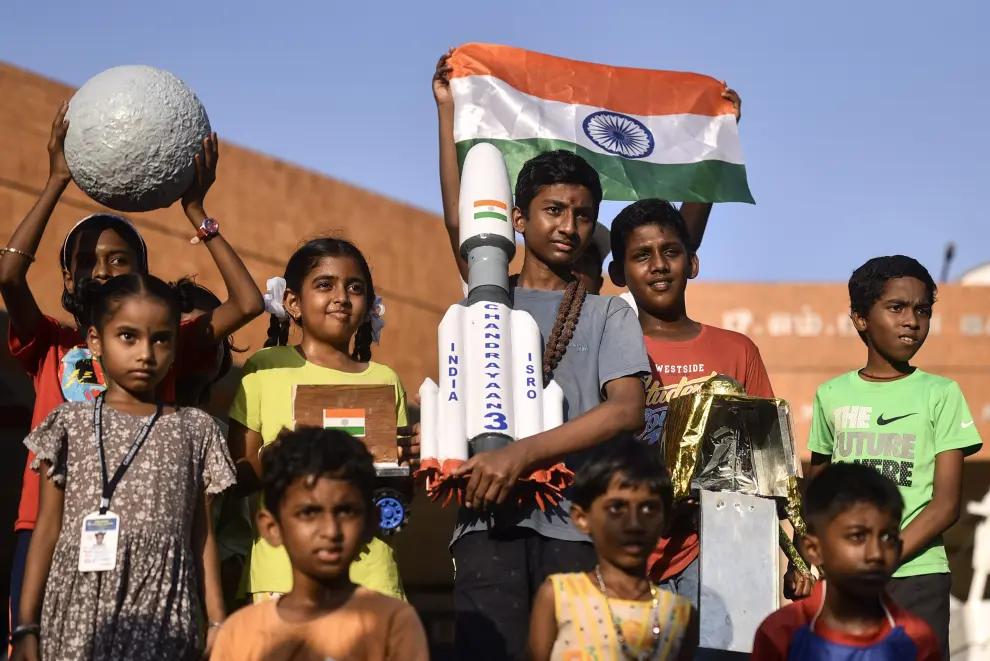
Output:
x=854 y=519
x=652 y=255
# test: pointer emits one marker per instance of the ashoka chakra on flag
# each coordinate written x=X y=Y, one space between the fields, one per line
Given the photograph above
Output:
x=619 y=134
x=648 y=133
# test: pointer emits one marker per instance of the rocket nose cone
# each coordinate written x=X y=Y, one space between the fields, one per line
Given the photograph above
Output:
x=484 y=163
x=485 y=203
x=483 y=150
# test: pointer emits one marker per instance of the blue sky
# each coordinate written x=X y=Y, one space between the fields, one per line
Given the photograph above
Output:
x=861 y=121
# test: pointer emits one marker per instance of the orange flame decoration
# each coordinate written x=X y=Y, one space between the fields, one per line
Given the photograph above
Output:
x=545 y=487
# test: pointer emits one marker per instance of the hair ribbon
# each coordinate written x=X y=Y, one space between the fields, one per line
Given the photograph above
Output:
x=273 y=298
x=374 y=316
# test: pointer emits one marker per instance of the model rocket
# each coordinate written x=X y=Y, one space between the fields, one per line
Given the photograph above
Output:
x=491 y=388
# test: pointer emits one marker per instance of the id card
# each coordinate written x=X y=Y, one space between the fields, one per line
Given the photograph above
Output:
x=98 y=543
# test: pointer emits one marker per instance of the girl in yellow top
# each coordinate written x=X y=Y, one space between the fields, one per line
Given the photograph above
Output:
x=328 y=292
x=620 y=498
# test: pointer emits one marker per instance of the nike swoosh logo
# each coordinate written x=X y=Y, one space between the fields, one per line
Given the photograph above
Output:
x=967 y=424
x=882 y=421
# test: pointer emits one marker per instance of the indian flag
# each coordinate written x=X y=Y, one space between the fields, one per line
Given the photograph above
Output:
x=348 y=420
x=648 y=133
x=491 y=209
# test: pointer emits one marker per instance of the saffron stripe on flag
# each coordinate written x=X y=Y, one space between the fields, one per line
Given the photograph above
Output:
x=491 y=203
x=343 y=413
x=620 y=89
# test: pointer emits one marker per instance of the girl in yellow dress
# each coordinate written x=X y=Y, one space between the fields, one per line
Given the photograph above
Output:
x=328 y=293
x=621 y=497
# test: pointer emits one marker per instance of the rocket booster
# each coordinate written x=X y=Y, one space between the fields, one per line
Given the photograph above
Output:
x=490 y=391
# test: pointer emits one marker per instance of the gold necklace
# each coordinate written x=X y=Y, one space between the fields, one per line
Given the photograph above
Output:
x=654 y=615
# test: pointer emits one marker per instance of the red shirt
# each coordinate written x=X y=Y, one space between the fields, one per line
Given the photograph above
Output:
x=774 y=637
x=43 y=360
x=679 y=368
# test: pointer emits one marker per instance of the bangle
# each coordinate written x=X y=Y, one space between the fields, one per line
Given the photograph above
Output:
x=17 y=252
x=23 y=631
x=214 y=625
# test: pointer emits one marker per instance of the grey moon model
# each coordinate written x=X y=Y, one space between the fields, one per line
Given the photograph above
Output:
x=133 y=133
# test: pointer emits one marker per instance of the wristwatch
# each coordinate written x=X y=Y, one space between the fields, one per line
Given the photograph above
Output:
x=209 y=229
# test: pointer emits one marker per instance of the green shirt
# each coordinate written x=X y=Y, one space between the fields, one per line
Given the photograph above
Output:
x=898 y=427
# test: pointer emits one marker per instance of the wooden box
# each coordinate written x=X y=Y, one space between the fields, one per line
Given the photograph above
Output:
x=366 y=412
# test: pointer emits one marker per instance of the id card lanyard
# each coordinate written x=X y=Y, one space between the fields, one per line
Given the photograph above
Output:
x=110 y=484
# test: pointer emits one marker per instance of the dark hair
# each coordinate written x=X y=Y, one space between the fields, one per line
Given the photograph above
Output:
x=638 y=462
x=651 y=211
x=304 y=260
x=97 y=302
x=94 y=226
x=312 y=452
x=867 y=283
x=568 y=315
x=840 y=486
x=197 y=297
x=555 y=167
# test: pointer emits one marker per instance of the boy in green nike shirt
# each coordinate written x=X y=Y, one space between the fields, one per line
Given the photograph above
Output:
x=913 y=427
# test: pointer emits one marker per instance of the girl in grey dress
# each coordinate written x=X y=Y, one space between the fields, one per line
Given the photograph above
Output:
x=147 y=606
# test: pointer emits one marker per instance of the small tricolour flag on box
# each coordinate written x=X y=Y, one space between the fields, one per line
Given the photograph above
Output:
x=647 y=133
x=351 y=421
x=490 y=209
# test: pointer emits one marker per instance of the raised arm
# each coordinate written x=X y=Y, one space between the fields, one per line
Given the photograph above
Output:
x=244 y=301
x=450 y=177
x=17 y=257
x=696 y=213
x=51 y=504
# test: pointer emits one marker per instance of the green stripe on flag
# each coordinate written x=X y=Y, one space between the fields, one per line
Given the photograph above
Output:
x=357 y=432
x=626 y=179
x=491 y=214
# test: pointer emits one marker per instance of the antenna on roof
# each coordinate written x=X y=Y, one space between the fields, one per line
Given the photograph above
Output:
x=950 y=252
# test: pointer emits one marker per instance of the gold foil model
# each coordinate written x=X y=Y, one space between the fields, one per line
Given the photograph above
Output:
x=720 y=439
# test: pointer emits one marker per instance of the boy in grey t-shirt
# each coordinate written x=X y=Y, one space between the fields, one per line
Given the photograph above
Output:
x=503 y=552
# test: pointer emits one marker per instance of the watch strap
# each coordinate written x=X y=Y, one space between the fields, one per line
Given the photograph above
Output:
x=207 y=230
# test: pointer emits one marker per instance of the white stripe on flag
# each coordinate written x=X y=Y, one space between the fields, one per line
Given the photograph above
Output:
x=488 y=108
x=343 y=422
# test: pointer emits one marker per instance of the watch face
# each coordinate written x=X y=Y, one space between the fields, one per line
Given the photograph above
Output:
x=211 y=226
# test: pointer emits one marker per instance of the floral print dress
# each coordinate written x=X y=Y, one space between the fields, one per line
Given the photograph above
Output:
x=147 y=607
